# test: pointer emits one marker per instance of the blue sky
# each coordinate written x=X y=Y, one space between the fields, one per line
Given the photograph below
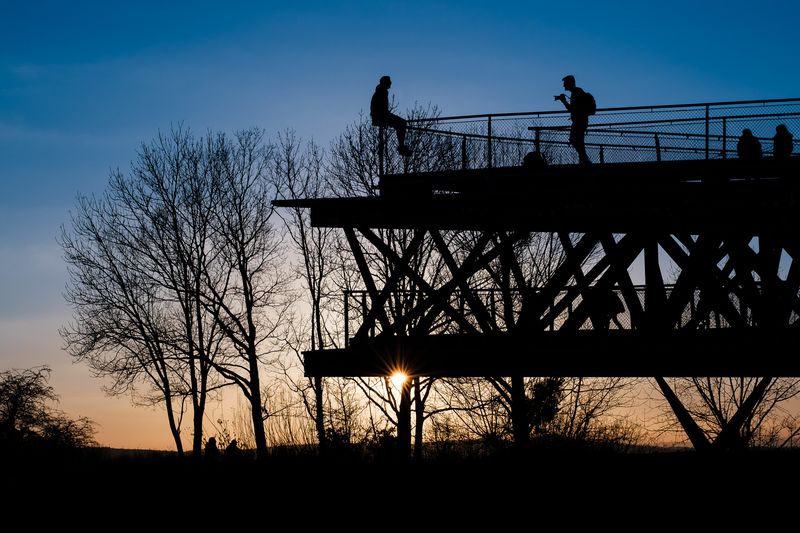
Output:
x=83 y=83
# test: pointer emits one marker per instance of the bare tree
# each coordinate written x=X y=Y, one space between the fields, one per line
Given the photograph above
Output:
x=299 y=172
x=478 y=408
x=489 y=410
x=137 y=261
x=589 y=405
x=726 y=413
x=251 y=297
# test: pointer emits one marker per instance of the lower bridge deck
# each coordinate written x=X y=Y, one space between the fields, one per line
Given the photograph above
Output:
x=624 y=353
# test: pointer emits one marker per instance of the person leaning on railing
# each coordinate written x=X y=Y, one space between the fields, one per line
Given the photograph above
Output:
x=748 y=148
x=782 y=143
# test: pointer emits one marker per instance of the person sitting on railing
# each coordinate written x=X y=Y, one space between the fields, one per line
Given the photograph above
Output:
x=579 y=111
x=782 y=144
x=748 y=148
x=382 y=117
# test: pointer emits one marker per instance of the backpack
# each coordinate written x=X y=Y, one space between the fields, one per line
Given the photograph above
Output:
x=589 y=104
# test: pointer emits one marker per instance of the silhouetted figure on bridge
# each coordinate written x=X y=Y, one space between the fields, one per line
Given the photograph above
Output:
x=782 y=143
x=382 y=117
x=580 y=106
x=604 y=306
x=534 y=161
x=748 y=148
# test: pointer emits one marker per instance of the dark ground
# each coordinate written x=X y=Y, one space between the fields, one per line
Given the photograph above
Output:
x=576 y=488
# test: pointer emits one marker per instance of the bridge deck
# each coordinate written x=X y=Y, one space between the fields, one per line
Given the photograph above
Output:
x=714 y=352
x=675 y=196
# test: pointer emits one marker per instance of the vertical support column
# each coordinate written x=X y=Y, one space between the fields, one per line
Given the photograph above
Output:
x=464 y=161
x=381 y=149
x=655 y=297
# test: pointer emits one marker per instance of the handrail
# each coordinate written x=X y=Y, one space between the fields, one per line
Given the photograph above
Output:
x=610 y=109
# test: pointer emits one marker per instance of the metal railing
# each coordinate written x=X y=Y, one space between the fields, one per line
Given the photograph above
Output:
x=502 y=309
x=622 y=134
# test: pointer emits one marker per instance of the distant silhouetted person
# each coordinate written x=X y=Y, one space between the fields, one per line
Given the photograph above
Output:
x=232 y=450
x=212 y=452
x=782 y=144
x=534 y=161
x=748 y=148
x=381 y=116
x=604 y=306
x=580 y=106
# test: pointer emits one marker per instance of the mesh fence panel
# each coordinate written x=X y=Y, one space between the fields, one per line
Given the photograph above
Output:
x=623 y=135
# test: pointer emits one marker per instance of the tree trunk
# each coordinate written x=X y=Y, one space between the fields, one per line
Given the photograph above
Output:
x=320 y=413
x=419 y=414
x=259 y=432
x=519 y=412
x=173 y=429
x=404 y=422
x=197 y=428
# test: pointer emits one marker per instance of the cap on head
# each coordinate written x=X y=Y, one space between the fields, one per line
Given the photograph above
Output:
x=385 y=79
x=569 y=78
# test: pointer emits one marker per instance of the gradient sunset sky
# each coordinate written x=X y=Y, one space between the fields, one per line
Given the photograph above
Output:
x=82 y=83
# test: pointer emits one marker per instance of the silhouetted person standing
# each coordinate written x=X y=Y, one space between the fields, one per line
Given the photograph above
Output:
x=578 y=107
x=782 y=144
x=212 y=452
x=232 y=450
x=748 y=148
x=382 y=117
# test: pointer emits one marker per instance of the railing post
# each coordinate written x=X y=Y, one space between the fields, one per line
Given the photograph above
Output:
x=724 y=138
x=381 y=148
x=537 y=135
x=489 y=141
x=364 y=313
x=658 y=149
x=464 y=164
x=602 y=155
x=706 y=131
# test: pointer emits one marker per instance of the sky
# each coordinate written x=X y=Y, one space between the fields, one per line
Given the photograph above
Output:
x=83 y=83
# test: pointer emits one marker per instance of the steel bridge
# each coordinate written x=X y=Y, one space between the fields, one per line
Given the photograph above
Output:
x=698 y=245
